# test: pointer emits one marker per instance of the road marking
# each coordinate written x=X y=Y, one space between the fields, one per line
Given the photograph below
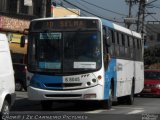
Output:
x=96 y=111
x=99 y=111
x=135 y=111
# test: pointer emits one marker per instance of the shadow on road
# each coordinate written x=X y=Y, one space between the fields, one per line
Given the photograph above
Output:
x=27 y=105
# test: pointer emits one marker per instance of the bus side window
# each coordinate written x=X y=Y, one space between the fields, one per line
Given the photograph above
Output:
x=106 y=37
x=112 y=43
x=121 y=39
x=131 y=47
x=127 y=50
x=117 y=44
x=105 y=48
x=135 y=48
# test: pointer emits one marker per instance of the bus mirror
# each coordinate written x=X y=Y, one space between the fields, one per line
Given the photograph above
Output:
x=108 y=41
x=22 y=43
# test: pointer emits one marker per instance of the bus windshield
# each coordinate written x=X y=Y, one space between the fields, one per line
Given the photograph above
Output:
x=65 y=51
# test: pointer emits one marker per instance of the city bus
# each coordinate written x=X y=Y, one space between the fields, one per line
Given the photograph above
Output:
x=83 y=59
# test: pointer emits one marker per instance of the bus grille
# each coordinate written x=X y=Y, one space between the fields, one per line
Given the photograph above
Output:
x=56 y=85
x=64 y=95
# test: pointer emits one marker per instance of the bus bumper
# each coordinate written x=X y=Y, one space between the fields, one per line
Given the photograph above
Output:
x=92 y=93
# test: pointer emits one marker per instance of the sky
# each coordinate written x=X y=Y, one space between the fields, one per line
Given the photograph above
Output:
x=115 y=10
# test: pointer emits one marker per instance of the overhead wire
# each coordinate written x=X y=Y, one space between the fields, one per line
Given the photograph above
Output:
x=151 y=2
x=152 y=16
x=153 y=6
x=103 y=8
x=81 y=4
x=91 y=12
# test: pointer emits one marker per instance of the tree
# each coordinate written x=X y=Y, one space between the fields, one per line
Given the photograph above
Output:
x=152 y=55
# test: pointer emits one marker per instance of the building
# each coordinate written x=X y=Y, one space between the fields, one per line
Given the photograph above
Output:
x=153 y=33
x=15 y=16
x=62 y=12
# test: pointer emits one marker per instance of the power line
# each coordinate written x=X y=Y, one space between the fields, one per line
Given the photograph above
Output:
x=91 y=12
x=103 y=8
x=152 y=16
x=153 y=6
x=151 y=2
x=68 y=9
x=81 y=4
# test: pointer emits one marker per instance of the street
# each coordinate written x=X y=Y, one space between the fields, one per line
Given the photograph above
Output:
x=142 y=105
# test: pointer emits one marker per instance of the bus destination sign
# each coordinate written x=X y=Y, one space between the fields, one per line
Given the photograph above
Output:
x=65 y=24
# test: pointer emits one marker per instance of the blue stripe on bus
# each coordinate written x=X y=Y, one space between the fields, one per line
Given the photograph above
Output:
x=109 y=74
x=40 y=81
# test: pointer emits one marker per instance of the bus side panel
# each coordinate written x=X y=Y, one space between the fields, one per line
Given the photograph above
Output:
x=109 y=74
x=126 y=71
x=139 y=76
x=125 y=74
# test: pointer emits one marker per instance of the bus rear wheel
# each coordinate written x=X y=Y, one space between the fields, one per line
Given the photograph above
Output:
x=46 y=105
x=130 y=98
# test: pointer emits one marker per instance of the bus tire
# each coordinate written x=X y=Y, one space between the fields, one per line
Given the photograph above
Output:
x=107 y=104
x=121 y=100
x=5 y=110
x=46 y=105
x=130 y=98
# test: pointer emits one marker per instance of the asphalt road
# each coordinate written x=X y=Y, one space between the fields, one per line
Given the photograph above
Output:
x=144 y=108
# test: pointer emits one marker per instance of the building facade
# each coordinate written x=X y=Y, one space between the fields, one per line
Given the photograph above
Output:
x=15 y=16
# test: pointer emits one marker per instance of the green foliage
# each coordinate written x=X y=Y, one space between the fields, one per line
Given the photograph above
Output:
x=152 y=55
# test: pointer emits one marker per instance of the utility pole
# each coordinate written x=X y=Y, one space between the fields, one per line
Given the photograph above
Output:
x=129 y=20
x=141 y=16
x=129 y=15
x=46 y=8
x=43 y=9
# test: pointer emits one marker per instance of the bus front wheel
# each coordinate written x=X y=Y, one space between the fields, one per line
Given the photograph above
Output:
x=107 y=104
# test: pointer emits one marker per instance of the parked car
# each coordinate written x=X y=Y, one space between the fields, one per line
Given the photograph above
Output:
x=151 y=83
x=19 y=66
x=20 y=76
x=7 y=84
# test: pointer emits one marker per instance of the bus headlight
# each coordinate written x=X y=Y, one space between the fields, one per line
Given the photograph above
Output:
x=94 y=80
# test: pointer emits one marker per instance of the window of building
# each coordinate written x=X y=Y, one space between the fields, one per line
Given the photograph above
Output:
x=16 y=6
x=3 y=5
x=12 y=6
x=23 y=9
